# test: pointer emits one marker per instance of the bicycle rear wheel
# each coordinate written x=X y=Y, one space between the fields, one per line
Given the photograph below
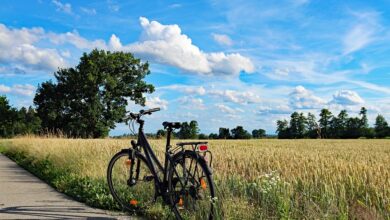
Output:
x=136 y=195
x=191 y=187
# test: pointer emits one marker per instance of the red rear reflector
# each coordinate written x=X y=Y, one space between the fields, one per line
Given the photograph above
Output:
x=203 y=147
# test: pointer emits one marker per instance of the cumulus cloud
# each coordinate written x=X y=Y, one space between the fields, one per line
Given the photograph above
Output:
x=166 y=44
x=18 y=89
x=156 y=102
x=347 y=97
x=159 y=43
x=17 y=46
x=246 y=97
x=76 y=40
x=302 y=98
x=222 y=39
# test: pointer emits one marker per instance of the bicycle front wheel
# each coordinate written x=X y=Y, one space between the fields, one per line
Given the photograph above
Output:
x=133 y=195
x=191 y=187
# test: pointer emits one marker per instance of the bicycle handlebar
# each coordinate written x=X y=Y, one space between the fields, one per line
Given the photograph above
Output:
x=136 y=116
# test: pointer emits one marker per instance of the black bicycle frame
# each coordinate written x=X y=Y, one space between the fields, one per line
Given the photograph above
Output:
x=152 y=159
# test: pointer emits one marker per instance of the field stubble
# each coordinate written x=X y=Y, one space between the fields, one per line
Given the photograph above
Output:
x=258 y=178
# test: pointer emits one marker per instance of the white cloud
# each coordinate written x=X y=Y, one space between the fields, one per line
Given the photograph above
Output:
x=4 y=89
x=222 y=39
x=192 y=90
x=64 y=7
x=347 y=97
x=24 y=90
x=75 y=39
x=358 y=37
x=17 y=46
x=159 y=43
x=192 y=103
x=226 y=109
x=167 y=45
x=156 y=102
x=275 y=110
x=246 y=97
x=362 y=33
x=302 y=98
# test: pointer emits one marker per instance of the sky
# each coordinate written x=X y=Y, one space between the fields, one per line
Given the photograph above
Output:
x=222 y=63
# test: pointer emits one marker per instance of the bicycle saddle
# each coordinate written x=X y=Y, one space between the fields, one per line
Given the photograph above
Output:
x=171 y=124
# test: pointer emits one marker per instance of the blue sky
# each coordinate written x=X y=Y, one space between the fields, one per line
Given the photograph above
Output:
x=222 y=63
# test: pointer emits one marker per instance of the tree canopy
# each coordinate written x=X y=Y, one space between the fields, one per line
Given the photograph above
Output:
x=87 y=100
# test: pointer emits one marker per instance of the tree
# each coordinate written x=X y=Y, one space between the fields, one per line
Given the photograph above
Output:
x=188 y=130
x=353 y=128
x=240 y=133
x=213 y=136
x=381 y=127
x=160 y=133
x=7 y=118
x=325 y=118
x=17 y=122
x=259 y=133
x=224 y=133
x=194 y=129
x=363 y=115
x=87 y=100
x=203 y=136
x=364 y=127
x=313 y=129
x=282 y=129
x=297 y=125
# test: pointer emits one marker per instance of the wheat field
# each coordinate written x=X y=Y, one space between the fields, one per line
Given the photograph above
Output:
x=258 y=179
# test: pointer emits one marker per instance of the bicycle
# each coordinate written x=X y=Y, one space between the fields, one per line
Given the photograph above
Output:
x=184 y=182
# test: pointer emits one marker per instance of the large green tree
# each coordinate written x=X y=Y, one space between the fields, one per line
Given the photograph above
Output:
x=87 y=100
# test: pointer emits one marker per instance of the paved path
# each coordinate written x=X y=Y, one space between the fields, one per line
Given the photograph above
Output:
x=24 y=196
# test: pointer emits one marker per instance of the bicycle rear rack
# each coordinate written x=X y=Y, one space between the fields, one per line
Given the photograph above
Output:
x=180 y=146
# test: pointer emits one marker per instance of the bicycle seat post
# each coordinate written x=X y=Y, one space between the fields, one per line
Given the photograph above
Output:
x=169 y=132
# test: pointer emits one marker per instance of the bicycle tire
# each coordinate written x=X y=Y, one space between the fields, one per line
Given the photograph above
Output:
x=183 y=211
x=131 y=198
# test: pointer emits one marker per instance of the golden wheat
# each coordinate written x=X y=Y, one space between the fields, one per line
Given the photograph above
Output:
x=336 y=173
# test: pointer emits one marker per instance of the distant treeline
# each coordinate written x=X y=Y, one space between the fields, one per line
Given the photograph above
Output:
x=332 y=126
x=190 y=130
x=17 y=121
